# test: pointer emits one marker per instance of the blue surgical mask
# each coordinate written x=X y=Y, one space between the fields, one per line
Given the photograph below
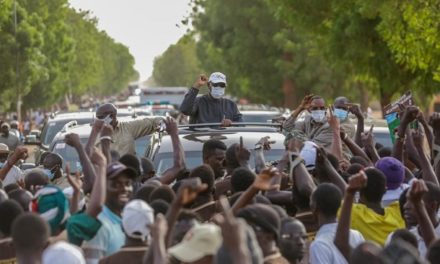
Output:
x=341 y=114
x=49 y=173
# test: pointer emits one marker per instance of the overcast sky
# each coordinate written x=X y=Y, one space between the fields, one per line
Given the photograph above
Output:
x=147 y=27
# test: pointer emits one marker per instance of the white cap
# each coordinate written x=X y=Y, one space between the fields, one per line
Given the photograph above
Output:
x=63 y=252
x=202 y=240
x=308 y=153
x=137 y=215
x=4 y=148
x=217 y=77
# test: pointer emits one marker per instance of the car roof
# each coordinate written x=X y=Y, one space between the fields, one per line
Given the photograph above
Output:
x=260 y=112
x=72 y=116
x=193 y=139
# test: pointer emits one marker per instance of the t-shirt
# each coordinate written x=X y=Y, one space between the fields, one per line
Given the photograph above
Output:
x=376 y=227
x=82 y=227
x=11 y=141
x=323 y=250
x=132 y=255
x=7 y=251
x=14 y=175
x=110 y=237
x=391 y=196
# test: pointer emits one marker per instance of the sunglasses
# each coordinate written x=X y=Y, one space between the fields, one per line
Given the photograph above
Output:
x=222 y=85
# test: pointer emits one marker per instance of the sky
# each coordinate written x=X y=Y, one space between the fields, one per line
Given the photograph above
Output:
x=146 y=27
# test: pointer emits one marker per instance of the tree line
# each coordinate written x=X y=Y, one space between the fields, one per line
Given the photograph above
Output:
x=276 y=51
x=52 y=53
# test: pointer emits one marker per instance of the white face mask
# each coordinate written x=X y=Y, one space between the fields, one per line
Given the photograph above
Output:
x=217 y=92
x=318 y=115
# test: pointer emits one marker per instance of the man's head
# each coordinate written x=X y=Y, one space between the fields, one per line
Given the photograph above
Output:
x=9 y=211
x=431 y=200
x=206 y=175
x=144 y=192
x=131 y=161
x=265 y=222
x=199 y=245
x=52 y=166
x=164 y=193
x=393 y=170
x=5 y=127
x=293 y=239
x=217 y=85
x=231 y=161
x=366 y=253
x=4 y=153
x=341 y=108
x=35 y=178
x=22 y=197
x=326 y=200
x=30 y=234
x=148 y=170
x=241 y=179
x=214 y=154
x=119 y=185
x=14 y=125
x=107 y=112
x=376 y=186
x=136 y=218
x=317 y=109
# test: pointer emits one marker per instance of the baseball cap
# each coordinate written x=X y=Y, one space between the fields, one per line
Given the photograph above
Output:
x=202 y=240
x=394 y=171
x=4 y=148
x=217 y=77
x=116 y=168
x=137 y=215
x=63 y=252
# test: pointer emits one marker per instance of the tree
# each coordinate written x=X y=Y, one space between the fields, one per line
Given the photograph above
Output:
x=178 y=65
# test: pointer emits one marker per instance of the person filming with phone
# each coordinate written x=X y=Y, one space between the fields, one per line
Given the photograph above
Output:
x=212 y=107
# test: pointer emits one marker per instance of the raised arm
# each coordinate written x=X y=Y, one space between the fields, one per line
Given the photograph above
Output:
x=370 y=145
x=105 y=141
x=434 y=122
x=342 y=241
x=98 y=195
x=336 y=145
x=76 y=184
x=179 y=155
x=242 y=155
x=409 y=114
x=324 y=166
x=20 y=152
x=262 y=182
x=354 y=148
x=74 y=141
x=157 y=253
x=428 y=173
x=415 y=195
x=305 y=104
x=188 y=106
x=262 y=145
x=428 y=132
x=356 y=110
x=96 y=128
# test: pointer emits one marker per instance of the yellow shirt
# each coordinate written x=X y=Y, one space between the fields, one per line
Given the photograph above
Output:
x=376 y=227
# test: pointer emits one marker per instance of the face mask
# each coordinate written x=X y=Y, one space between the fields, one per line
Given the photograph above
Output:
x=318 y=115
x=2 y=164
x=341 y=114
x=217 y=92
x=49 y=173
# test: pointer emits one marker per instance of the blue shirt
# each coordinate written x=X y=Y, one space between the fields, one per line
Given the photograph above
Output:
x=110 y=237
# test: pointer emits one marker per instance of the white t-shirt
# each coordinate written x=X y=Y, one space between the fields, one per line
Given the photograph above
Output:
x=13 y=176
x=391 y=196
x=421 y=243
x=323 y=250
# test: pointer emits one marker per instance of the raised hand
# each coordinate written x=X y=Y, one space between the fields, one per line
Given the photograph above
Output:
x=333 y=121
x=72 y=140
x=263 y=180
x=355 y=109
x=241 y=152
x=356 y=182
x=98 y=158
x=201 y=81
x=265 y=143
x=409 y=114
x=106 y=131
x=20 y=153
x=171 y=126
x=418 y=138
x=189 y=190
x=74 y=181
x=226 y=123
x=416 y=191
x=306 y=101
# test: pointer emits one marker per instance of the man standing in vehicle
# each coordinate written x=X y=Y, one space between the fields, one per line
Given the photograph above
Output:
x=212 y=107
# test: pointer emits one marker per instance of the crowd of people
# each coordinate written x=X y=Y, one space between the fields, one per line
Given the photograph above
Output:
x=334 y=196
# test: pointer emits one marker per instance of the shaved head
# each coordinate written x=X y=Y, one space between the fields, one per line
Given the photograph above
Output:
x=105 y=110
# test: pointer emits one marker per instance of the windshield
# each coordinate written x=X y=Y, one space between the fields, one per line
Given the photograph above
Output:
x=69 y=154
x=164 y=161
x=51 y=129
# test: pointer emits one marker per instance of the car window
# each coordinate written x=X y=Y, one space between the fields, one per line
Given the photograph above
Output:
x=141 y=145
x=51 y=129
x=164 y=161
x=258 y=118
x=69 y=154
x=383 y=138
